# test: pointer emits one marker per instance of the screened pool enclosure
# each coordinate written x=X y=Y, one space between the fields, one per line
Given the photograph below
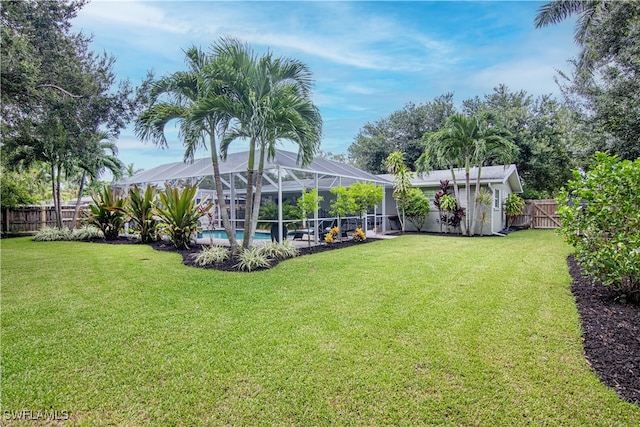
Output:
x=283 y=182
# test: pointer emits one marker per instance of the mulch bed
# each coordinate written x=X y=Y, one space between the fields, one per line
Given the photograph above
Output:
x=229 y=265
x=611 y=333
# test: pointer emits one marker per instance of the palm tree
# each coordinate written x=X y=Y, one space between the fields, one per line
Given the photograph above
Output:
x=589 y=11
x=102 y=156
x=464 y=142
x=269 y=101
x=190 y=97
x=401 y=181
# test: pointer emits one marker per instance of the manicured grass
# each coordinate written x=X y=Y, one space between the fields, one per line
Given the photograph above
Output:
x=411 y=331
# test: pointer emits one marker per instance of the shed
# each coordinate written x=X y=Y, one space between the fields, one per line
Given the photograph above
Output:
x=499 y=180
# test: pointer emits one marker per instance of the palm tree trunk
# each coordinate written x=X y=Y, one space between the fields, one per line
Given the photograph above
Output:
x=246 y=241
x=231 y=232
x=476 y=205
x=456 y=191
x=256 y=197
x=77 y=208
x=467 y=178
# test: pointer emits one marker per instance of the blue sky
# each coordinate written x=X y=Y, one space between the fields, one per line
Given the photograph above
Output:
x=368 y=58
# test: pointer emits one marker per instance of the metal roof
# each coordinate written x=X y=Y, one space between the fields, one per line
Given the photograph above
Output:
x=237 y=163
x=489 y=174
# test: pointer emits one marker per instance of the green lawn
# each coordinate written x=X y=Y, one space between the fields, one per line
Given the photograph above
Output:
x=416 y=330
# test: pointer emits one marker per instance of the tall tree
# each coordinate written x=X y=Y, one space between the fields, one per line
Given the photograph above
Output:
x=401 y=131
x=191 y=97
x=56 y=93
x=401 y=182
x=269 y=100
x=603 y=87
x=465 y=142
x=543 y=130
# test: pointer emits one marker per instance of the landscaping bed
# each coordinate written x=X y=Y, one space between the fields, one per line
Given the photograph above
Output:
x=611 y=333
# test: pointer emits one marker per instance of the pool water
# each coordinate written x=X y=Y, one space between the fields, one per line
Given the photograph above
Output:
x=222 y=234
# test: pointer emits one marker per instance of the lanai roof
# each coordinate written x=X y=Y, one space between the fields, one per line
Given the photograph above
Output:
x=237 y=163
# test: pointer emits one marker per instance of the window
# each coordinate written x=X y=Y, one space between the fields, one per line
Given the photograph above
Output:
x=496 y=199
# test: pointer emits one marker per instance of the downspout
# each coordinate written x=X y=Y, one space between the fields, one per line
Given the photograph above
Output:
x=494 y=233
x=280 y=226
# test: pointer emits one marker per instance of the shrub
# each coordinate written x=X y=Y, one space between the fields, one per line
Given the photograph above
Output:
x=332 y=235
x=211 y=255
x=141 y=211
x=417 y=208
x=275 y=250
x=106 y=212
x=179 y=214
x=513 y=206
x=252 y=259
x=50 y=234
x=599 y=216
x=86 y=232
x=359 y=235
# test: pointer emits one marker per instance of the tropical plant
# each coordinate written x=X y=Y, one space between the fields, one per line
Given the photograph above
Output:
x=513 y=206
x=99 y=157
x=50 y=234
x=86 y=232
x=194 y=99
x=365 y=196
x=401 y=182
x=252 y=259
x=107 y=212
x=332 y=235
x=141 y=211
x=464 y=142
x=179 y=215
x=448 y=204
x=417 y=208
x=359 y=235
x=342 y=205
x=483 y=200
x=279 y=251
x=211 y=255
x=308 y=204
x=599 y=216
x=269 y=99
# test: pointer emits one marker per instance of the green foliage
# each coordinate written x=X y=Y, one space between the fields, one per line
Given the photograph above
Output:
x=603 y=88
x=178 y=214
x=600 y=218
x=141 y=211
x=50 y=234
x=343 y=204
x=106 y=212
x=417 y=208
x=13 y=192
x=252 y=259
x=269 y=211
x=402 y=131
x=275 y=250
x=86 y=232
x=308 y=204
x=513 y=205
x=211 y=255
x=55 y=92
x=365 y=196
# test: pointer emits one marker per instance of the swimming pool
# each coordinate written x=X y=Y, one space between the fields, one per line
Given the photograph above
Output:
x=222 y=234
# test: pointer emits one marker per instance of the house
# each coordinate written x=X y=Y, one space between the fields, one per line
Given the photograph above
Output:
x=499 y=180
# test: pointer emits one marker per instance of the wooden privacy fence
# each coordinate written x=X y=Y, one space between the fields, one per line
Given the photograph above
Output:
x=538 y=214
x=30 y=219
